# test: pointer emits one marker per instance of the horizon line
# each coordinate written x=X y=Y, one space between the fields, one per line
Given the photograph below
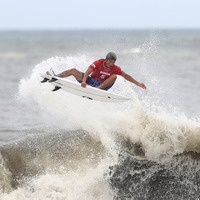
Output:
x=99 y=29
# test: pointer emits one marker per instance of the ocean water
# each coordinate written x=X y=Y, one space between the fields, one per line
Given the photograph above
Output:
x=59 y=146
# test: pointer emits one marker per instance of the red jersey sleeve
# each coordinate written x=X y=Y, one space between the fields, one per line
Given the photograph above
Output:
x=95 y=64
x=118 y=70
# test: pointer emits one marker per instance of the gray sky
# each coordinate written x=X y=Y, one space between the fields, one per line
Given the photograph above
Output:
x=97 y=14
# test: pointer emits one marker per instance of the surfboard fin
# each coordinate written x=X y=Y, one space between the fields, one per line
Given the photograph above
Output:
x=44 y=80
x=53 y=80
x=56 y=88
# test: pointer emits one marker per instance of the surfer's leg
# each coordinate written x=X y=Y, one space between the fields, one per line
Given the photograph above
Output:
x=108 y=87
x=71 y=72
x=108 y=82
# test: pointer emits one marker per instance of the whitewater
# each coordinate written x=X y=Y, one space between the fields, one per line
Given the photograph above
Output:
x=55 y=145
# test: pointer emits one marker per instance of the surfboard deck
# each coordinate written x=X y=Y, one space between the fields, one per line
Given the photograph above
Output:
x=88 y=92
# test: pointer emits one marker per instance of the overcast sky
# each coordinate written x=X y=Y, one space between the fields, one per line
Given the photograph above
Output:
x=99 y=14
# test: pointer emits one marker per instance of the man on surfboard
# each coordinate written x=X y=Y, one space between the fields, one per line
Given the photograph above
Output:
x=103 y=74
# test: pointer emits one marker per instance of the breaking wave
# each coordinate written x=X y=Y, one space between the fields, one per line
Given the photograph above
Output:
x=92 y=150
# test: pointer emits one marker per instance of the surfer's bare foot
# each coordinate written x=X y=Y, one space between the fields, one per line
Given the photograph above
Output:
x=48 y=73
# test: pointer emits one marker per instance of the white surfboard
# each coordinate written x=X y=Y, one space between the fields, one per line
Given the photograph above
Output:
x=88 y=92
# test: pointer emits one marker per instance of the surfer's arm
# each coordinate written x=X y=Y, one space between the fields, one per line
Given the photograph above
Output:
x=132 y=80
x=87 y=73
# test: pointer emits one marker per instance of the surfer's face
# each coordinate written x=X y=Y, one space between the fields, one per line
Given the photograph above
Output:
x=110 y=63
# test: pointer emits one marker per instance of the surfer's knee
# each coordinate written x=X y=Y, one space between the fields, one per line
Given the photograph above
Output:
x=77 y=74
x=73 y=71
x=69 y=72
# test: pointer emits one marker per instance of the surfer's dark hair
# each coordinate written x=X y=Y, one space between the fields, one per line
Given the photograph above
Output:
x=111 y=56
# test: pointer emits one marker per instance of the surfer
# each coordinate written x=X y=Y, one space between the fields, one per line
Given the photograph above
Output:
x=103 y=74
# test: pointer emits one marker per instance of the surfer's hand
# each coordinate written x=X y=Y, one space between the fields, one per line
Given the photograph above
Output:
x=142 y=85
x=83 y=84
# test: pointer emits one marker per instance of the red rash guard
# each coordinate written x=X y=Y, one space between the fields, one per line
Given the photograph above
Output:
x=101 y=72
